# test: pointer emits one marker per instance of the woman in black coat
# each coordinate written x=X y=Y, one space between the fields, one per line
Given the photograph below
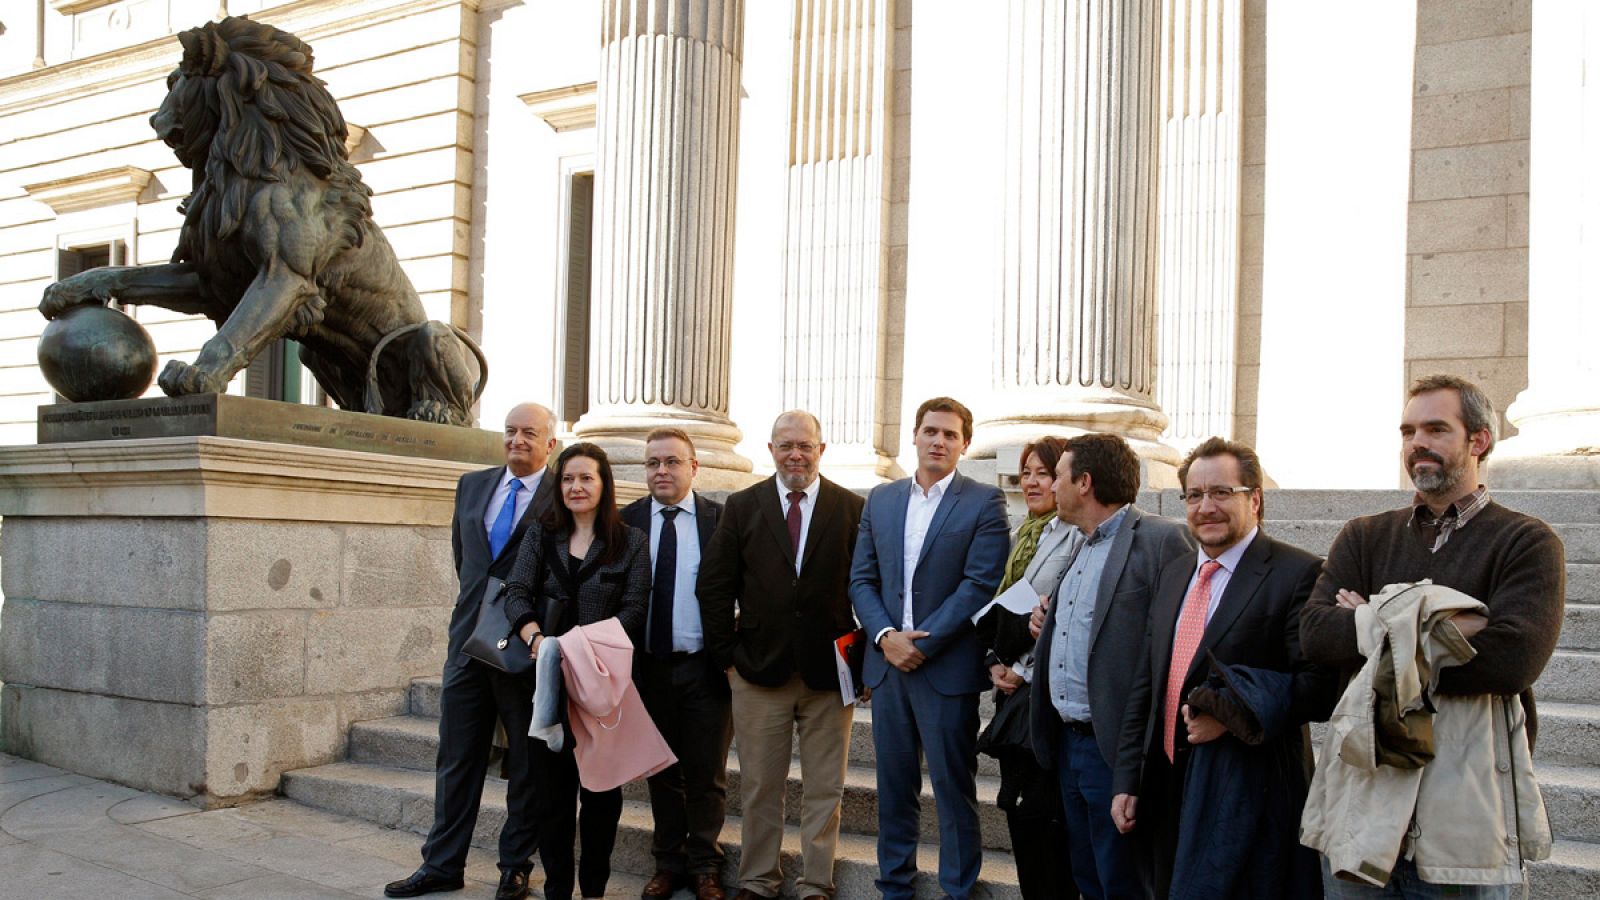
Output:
x=579 y=565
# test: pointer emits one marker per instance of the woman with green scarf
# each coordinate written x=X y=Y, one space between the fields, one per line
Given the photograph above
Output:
x=1040 y=551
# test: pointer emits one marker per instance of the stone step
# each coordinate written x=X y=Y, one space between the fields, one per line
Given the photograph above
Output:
x=1569 y=734
x=401 y=798
x=1573 y=870
x=1571 y=676
x=1580 y=628
x=1572 y=800
x=411 y=742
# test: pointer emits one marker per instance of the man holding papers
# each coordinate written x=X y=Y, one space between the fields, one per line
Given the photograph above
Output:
x=774 y=599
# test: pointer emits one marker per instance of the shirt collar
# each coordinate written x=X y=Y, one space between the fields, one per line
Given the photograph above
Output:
x=530 y=482
x=1108 y=529
x=1229 y=560
x=809 y=490
x=686 y=505
x=1460 y=511
x=938 y=489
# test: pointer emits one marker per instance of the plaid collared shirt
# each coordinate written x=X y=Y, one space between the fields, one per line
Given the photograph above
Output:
x=1452 y=520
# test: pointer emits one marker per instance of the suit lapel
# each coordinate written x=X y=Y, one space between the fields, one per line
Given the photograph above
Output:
x=898 y=496
x=940 y=515
x=1164 y=608
x=772 y=514
x=1116 y=560
x=824 y=507
x=479 y=506
x=705 y=521
x=1242 y=586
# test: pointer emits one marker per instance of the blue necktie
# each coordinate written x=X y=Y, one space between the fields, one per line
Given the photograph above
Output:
x=500 y=531
x=659 y=638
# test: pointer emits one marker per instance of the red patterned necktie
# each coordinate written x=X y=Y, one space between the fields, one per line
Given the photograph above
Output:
x=793 y=521
x=1191 y=628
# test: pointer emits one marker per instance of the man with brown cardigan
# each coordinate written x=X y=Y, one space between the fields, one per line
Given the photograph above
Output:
x=1458 y=537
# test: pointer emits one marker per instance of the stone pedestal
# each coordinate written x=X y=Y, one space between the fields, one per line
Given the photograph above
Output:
x=1558 y=417
x=666 y=166
x=1075 y=336
x=198 y=615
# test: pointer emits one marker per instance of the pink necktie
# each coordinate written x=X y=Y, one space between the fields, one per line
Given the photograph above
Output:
x=1191 y=628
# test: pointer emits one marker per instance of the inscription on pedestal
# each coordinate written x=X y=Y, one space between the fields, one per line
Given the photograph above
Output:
x=225 y=415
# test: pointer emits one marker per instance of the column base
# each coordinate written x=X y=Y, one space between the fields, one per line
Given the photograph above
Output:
x=621 y=432
x=1137 y=423
x=1557 y=446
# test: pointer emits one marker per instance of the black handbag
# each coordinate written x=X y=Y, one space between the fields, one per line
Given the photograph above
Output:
x=493 y=641
x=1007 y=734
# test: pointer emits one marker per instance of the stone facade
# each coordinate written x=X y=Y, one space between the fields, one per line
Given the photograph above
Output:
x=734 y=277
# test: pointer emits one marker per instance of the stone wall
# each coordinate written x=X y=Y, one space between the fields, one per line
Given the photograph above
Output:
x=1467 y=246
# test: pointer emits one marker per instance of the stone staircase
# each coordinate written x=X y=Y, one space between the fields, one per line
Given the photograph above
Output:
x=388 y=777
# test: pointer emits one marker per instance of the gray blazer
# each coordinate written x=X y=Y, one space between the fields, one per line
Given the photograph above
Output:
x=1142 y=547
x=619 y=588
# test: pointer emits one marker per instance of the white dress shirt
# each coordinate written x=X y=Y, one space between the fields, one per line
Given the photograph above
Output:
x=1229 y=560
x=530 y=484
x=687 y=635
x=808 y=504
x=920 y=509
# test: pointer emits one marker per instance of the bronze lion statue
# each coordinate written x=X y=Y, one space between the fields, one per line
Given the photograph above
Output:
x=278 y=240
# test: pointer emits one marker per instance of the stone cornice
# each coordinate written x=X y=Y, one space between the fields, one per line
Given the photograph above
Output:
x=189 y=477
x=153 y=59
x=567 y=108
x=91 y=189
x=72 y=7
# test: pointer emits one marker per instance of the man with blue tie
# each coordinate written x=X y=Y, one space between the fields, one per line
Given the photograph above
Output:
x=684 y=691
x=493 y=507
x=929 y=555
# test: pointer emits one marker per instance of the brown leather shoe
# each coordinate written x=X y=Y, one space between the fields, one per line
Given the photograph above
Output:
x=663 y=884
x=706 y=887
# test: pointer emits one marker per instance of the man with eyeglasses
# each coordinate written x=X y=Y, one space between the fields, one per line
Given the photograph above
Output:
x=1226 y=617
x=682 y=689
x=782 y=556
x=1090 y=630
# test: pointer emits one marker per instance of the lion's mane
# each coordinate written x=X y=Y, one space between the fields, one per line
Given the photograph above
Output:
x=252 y=114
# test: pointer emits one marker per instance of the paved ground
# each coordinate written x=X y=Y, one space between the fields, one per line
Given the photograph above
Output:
x=65 y=836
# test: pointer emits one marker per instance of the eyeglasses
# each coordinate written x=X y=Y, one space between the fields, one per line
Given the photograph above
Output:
x=807 y=447
x=1218 y=495
x=672 y=462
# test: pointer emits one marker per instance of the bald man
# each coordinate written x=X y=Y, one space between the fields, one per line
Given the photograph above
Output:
x=782 y=556
x=493 y=508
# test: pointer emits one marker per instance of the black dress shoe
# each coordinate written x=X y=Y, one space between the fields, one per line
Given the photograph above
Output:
x=421 y=883
x=513 y=886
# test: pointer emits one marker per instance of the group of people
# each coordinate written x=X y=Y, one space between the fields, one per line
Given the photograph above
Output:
x=1151 y=708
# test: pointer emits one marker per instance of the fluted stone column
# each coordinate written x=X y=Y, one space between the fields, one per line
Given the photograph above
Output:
x=1198 y=276
x=1558 y=417
x=835 y=252
x=667 y=120
x=1075 y=348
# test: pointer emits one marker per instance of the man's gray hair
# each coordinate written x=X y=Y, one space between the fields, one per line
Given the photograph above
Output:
x=1477 y=410
x=816 y=423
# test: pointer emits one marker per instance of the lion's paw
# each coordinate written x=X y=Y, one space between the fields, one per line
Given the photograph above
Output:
x=179 y=379
x=430 y=411
x=63 y=295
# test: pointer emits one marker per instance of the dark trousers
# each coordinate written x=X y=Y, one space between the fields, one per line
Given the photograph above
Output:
x=1032 y=804
x=473 y=697
x=910 y=719
x=1107 y=864
x=690 y=704
x=559 y=793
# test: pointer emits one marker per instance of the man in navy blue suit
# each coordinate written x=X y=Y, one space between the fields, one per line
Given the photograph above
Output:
x=929 y=555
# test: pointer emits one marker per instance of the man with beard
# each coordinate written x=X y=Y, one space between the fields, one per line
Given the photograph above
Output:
x=782 y=556
x=1454 y=534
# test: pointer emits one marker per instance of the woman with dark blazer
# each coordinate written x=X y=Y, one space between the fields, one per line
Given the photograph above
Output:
x=1041 y=549
x=580 y=564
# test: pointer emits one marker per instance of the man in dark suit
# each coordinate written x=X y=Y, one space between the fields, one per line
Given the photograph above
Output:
x=493 y=509
x=783 y=555
x=683 y=690
x=1089 y=633
x=929 y=555
x=1237 y=599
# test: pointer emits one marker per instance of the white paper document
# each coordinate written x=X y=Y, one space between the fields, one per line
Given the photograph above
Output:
x=1020 y=598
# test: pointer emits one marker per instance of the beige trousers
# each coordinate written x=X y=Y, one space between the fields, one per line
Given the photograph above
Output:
x=764 y=723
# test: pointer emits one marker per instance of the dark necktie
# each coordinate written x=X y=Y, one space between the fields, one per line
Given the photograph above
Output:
x=793 y=521
x=659 y=640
